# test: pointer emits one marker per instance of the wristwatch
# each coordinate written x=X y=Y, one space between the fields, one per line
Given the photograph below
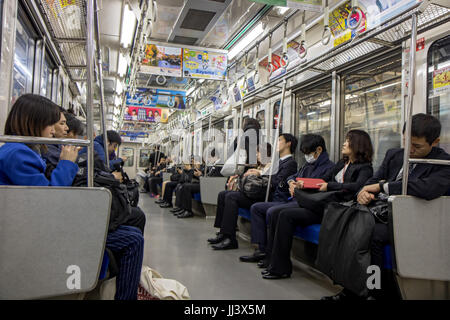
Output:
x=381 y=184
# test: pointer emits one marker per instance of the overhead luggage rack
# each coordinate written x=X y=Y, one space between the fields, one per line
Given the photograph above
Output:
x=390 y=34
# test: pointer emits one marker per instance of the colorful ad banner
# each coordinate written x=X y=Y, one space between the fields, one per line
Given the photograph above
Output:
x=204 y=64
x=161 y=60
x=441 y=81
x=146 y=114
x=158 y=98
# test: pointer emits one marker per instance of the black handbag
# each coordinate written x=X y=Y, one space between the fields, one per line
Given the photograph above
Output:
x=254 y=187
x=315 y=201
x=379 y=209
x=132 y=188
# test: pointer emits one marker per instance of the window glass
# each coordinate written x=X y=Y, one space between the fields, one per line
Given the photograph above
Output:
x=46 y=78
x=314 y=115
x=129 y=153
x=373 y=104
x=144 y=158
x=261 y=117
x=438 y=87
x=23 y=60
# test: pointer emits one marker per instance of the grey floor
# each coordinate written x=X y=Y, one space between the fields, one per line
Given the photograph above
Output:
x=177 y=248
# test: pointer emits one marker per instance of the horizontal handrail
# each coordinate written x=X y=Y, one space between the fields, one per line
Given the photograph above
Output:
x=431 y=161
x=40 y=140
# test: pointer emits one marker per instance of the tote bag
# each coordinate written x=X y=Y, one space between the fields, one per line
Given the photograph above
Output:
x=164 y=289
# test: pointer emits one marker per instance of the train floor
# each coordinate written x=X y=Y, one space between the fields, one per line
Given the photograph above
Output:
x=177 y=248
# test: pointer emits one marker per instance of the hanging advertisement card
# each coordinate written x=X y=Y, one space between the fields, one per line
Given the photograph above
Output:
x=204 y=64
x=162 y=60
x=441 y=81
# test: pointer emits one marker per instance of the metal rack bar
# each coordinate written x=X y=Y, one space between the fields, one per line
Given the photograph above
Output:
x=431 y=161
x=40 y=140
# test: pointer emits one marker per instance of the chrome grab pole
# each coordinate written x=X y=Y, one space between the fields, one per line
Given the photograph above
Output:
x=431 y=161
x=40 y=140
x=409 y=106
x=100 y=79
x=275 y=138
x=238 y=147
x=89 y=98
x=209 y=138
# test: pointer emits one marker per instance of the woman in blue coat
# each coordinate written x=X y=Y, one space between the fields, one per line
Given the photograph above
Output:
x=21 y=164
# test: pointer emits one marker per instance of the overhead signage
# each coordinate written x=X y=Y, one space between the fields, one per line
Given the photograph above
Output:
x=145 y=114
x=158 y=98
x=162 y=60
x=204 y=64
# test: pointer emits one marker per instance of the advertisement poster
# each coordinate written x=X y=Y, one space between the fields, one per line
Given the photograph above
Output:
x=441 y=81
x=158 y=98
x=204 y=64
x=145 y=114
x=379 y=11
x=338 y=24
x=161 y=60
x=294 y=52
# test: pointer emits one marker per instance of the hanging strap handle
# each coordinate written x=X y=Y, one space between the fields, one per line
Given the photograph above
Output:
x=270 y=65
x=256 y=77
x=303 y=36
x=326 y=34
x=285 y=44
x=245 y=70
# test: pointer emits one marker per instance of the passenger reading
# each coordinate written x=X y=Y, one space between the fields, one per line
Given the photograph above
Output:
x=309 y=183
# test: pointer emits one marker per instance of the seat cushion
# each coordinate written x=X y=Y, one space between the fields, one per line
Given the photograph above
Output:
x=309 y=233
x=197 y=197
x=245 y=213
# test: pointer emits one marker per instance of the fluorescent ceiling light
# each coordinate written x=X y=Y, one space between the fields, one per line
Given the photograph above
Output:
x=122 y=65
x=244 y=42
x=282 y=10
x=119 y=86
x=128 y=26
x=117 y=101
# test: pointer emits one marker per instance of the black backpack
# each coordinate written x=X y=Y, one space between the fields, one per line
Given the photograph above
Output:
x=132 y=188
x=120 y=202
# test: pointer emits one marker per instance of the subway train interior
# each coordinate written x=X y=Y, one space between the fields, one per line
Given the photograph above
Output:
x=184 y=159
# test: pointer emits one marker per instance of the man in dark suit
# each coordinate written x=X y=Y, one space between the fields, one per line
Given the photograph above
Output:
x=155 y=157
x=226 y=219
x=189 y=189
x=425 y=181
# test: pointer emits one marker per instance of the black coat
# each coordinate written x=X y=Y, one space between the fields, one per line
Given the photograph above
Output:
x=427 y=181
x=287 y=167
x=355 y=177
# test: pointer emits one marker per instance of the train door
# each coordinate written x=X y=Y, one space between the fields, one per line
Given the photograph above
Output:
x=314 y=113
x=144 y=159
x=372 y=102
x=438 y=86
x=129 y=151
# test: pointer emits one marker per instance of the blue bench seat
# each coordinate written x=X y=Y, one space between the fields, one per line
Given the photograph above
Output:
x=197 y=197
x=311 y=234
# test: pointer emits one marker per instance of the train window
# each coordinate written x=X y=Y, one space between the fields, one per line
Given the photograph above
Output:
x=144 y=158
x=373 y=104
x=129 y=153
x=24 y=56
x=261 y=117
x=47 y=78
x=276 y=112
x=315 y=113
x=438 y=87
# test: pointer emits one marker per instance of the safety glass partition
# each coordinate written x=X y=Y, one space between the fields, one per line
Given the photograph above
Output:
x=314 y=114
x=129 y=153
x=438 y=87
x=24 y=56
x=373 y=104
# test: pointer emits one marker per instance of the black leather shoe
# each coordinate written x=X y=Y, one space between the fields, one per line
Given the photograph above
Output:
x=166 y=205
x=226 y=244
x=344 y=295
x=255 y=257
x=217 y=239
x=265 y=271
x=160 y=201
x=263 y=264
x=185 y=214
x=176 y=210
x=273 y=276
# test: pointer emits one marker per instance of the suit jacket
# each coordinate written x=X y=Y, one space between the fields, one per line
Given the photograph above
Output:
x=427 y=181
x=355 y=177
x=314 y=170
x=286 y=168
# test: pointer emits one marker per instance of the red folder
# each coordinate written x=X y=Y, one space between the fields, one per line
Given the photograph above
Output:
x=309 y=183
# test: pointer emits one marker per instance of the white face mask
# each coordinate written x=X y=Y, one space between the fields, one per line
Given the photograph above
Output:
x=310 y=158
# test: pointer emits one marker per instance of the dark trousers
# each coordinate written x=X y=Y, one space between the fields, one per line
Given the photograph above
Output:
x=185 y=195
x=153 y=182
x=127 y=243
x=260 y=213
x=170 y=187
x=136 y=219
x=281 y=231
x=228 y=204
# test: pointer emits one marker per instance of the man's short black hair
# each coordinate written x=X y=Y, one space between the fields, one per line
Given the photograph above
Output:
x=310 y=142
x=290 y=138
x=424 y=125
x=213 y=152
x=74 y=125
x=114 y=136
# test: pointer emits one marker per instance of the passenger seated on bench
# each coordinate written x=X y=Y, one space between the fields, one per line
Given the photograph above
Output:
x=185 y=193
x=229 y=202
x=427 y=181
x=185 y=175
x=346 y=177
x=156 y=178
x=317 y=164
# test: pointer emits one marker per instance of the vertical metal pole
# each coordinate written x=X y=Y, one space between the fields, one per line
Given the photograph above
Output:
x=409 y=106
x=100 y=79
x=238 y=147
x=209 y=137
x=275 y=138
x=89 y=98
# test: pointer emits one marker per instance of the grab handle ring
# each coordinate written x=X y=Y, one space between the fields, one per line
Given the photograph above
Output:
x=303 y=45
x=326 y=35
x=161 y=80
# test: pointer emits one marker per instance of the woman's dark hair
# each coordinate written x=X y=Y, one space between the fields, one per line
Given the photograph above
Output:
x=30 y=115
x=265 y=148
x=290 y=138
x=75 y=125
x=424 y=125
x=310 y=142
x=251 y=123
x=361 y=145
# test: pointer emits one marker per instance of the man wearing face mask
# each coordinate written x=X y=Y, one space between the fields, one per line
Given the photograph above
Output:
x=316 y=166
